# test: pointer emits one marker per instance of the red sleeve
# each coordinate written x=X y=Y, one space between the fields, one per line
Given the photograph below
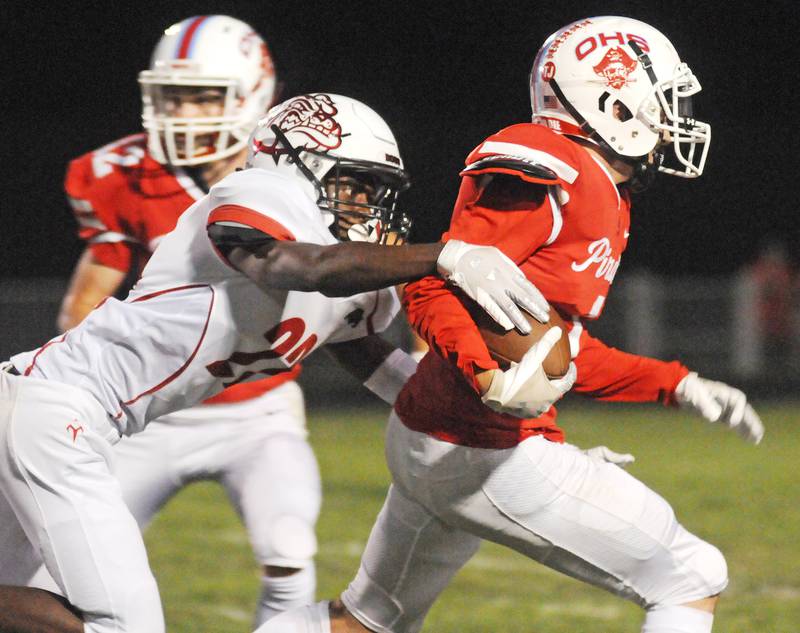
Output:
x=439 y=317
x=502 y=211
x=507 y=214
x=606 y=373
x=253 y=219
x=93 y=205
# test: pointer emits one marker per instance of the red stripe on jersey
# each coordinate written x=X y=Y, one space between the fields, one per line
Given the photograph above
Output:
x=249 y=390
x=29 y=369
x=168 y=290
x=183 y=367
x=253 y=219
x=186 y=42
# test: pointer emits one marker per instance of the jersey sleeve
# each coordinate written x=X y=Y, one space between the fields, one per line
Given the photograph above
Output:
x=437 y=314
x=99 y=224
x=606 y=373
x=275 y=206
x=364 y=314
x=496 y=208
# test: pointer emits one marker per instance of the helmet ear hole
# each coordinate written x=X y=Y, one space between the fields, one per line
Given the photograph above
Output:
x=620 y=111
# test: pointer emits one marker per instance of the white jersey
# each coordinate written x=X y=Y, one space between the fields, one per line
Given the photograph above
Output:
x=193 y=325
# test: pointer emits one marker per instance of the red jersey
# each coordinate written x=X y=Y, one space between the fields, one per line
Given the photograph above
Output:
x=565 y=224
x=125 y=202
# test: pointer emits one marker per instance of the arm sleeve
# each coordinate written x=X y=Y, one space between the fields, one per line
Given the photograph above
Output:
x=98 y=224
x=606 y=373
x=502 y=211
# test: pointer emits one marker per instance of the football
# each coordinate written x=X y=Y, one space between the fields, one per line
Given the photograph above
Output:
x=506 y=347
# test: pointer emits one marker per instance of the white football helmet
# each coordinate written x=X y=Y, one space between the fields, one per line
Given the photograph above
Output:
x=212 y=53
x=329 y=143
x=619 y=83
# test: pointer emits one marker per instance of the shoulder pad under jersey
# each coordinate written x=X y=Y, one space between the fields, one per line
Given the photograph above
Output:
x=530 y=151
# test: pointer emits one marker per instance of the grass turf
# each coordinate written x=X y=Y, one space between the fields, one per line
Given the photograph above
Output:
x=742 y=499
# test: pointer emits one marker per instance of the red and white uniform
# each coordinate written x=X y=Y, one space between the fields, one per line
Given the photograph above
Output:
x=522 y=486
x=208 y=326
x=125 y=202
x=569 y=244
x=190 y=327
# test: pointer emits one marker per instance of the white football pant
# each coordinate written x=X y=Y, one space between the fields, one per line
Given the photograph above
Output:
x=257 y=450
x=578 y=515
x=55 y=454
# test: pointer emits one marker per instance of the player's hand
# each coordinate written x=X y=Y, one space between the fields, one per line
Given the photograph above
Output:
x=605 y=454
x=524 y=390
x=491 y=279
x=718 y=402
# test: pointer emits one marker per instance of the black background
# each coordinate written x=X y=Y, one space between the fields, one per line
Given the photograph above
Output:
x=444 y=77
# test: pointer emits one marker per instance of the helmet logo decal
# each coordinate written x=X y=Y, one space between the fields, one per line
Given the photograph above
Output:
x=615 y=67
x=311 y=117
x=548 y=71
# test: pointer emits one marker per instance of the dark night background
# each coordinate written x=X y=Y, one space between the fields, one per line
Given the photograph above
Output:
x=444 y=77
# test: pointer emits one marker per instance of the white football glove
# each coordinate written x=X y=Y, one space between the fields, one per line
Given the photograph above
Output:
x=605 y=454
x=496 y=283
x=718 y=402
x=524 y=390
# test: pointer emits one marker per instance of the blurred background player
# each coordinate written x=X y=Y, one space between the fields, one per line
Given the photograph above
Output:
x=210 y=79
x=611 y=106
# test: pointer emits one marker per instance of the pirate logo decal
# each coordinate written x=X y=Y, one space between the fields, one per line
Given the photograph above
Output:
x=615 y=67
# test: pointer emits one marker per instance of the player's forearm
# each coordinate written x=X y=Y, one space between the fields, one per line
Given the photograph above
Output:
x=336 y=270
x=27 y=610
x=382 y=367
x=441 y=319
x=73 y=311
x=91 y=283
x=606 y=373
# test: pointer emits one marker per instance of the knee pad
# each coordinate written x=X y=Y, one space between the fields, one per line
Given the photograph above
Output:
x=290 y=542
x=711 y=565
x=703 y=573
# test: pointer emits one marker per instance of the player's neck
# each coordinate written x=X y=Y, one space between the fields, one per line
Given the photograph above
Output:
x=212 y=173
x=620 y=172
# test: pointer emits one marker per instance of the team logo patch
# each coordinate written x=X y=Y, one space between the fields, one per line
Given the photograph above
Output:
x=548 y=71
x=311 y=117
x=355 y=317
x=74 y=430
x=615 y=67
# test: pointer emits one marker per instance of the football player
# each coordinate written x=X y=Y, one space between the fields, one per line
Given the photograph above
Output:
x=210 y=79
x=611 y=108
x=252 y=280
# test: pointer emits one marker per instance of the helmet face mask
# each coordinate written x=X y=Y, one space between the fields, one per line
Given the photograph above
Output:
x=345 y=158
x=619 y=83
x=668 y=111
x=205 y=54
x=362 y=198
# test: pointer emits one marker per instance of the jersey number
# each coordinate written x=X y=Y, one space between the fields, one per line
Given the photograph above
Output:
x=102 y=162
x=285 y=341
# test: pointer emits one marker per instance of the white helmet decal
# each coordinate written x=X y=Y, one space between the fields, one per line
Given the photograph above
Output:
x=310 y=122
x=212 y=52
x=320 y=139
x=619 y=83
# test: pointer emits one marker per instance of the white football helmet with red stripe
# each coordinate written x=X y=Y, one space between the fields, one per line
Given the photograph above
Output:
x=620 y=83
x=345 y=157
x=225 y=58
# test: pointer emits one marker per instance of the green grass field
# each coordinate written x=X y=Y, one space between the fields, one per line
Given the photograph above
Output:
x=742 y=499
